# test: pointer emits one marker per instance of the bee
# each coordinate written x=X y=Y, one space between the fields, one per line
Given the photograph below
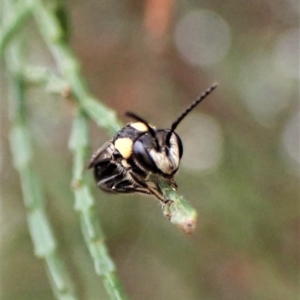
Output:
x=139 y=154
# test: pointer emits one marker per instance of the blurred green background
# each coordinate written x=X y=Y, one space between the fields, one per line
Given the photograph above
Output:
x=240 y=168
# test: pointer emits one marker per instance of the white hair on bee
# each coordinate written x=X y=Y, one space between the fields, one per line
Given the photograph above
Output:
x=167 y=161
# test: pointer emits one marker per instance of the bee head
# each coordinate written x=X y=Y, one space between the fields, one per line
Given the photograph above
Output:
x=160 y=151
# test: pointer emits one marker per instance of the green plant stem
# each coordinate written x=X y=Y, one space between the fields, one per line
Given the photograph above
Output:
x=44 y=242
x=42 y=77
x=52 y=31
x=85 y=205
x=10 y=26
x=179 y=212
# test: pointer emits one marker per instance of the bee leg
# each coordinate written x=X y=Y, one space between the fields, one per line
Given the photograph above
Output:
x=108 y=180
x=171 y=181
x=154 y=190
x=128 y=187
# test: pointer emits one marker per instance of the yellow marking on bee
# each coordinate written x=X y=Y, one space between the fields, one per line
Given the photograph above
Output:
x=124 y=146
x=125 y=164
x=139 y=126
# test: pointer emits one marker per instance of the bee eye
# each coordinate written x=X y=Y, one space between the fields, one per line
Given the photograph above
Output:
x=143 y=157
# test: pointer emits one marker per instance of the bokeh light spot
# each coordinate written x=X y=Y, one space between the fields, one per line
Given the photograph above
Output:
x=202 y=37
x=291 y=138
x=287 y=54
x=263 y=89
x=203 y=141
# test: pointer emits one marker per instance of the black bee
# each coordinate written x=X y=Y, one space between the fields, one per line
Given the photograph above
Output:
x=138 y=154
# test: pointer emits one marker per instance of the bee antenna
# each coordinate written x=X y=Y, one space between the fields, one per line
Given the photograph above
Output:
x=137 y=118
x=193 y=105
x=190 y=108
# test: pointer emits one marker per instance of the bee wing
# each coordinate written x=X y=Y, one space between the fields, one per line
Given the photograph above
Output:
x=102 y=154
